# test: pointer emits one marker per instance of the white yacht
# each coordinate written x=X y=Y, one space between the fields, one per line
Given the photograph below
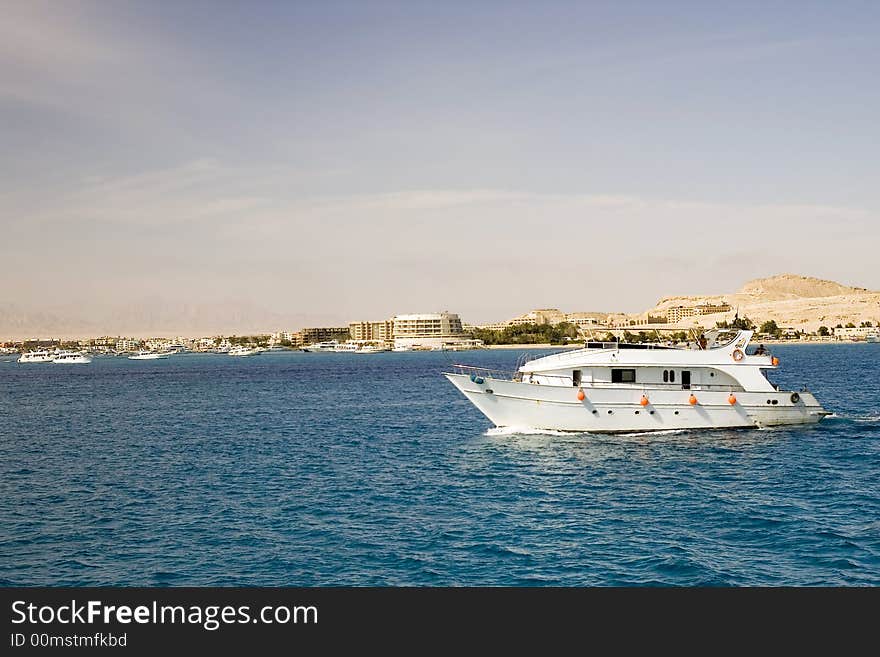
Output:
x=612 y=387
x=872 y=337
x=36 y=357
x=71 y=358
x=370 y=348
x=329 y=345
x=149 y=355
x=359 y=347
x=346 y=347
x=241 y=350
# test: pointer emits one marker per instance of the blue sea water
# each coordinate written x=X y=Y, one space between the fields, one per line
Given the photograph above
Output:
x=338 y=469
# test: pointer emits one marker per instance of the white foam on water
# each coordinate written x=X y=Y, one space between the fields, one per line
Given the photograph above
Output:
x=524 y=431
x=658 y=432
x=854 y=418
x=532 y=431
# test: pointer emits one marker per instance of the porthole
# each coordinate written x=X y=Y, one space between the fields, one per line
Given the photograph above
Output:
x=649 y=412
x=768 y=401
x=488 y=391
x=676 y=412
x=595 y=412
x=610 y=412
x=775 y=401
x=637 y=412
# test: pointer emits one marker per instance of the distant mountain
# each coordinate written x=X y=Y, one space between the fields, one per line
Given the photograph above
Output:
x=17 y=322
x=800 y=302
x=150 y=318
x=792 y=286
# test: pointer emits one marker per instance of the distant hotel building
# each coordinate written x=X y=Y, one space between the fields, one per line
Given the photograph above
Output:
x=851 y=333
x=430 y=331
x=127 y=344
x=585 y=320
x=281 y=337
x=541 y=316
x=551 y=316
x=323 y=334
x=382 y=331
x=678 y=313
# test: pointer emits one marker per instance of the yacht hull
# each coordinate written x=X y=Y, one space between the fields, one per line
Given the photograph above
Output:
x=614 y=410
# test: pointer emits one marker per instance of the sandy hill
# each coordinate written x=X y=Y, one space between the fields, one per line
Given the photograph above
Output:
x=800 y=302
x=792 y=286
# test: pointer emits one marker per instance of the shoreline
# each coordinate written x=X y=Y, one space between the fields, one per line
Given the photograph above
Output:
x=547 y=345
x=539 y=345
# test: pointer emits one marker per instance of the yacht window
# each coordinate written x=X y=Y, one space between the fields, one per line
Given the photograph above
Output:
x=665 y=376
x=575 y=377
x=671 y=376
x=685 y=380
x=623 y=376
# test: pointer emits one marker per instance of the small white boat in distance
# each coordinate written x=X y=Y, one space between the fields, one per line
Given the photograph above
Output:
x=872 y=337
x=370 y=349
x=613 y=387
x=329 y=345
x=346 y=348
x=71 y=358
x=359 y=347
x=36 y=357
x=148 y=355
x=244 y=351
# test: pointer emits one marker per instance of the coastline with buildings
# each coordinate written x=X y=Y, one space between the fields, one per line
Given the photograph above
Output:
x=781 y=308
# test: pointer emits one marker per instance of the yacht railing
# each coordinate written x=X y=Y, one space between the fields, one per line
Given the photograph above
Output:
x=556 y=380
x=718 y=387
x=484 y=372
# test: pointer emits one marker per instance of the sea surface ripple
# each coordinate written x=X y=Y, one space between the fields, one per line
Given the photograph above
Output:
x=295 y=469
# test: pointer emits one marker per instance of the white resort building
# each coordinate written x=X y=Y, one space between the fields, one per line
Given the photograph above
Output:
x=381 y=331
x=431 y=331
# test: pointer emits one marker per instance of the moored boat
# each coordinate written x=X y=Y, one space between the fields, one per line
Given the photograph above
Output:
x=317 y=347
x=71 y=358
x=359 y=347
x=241 y=350
x=41 y=356
x=371 y=348
x=149 y=355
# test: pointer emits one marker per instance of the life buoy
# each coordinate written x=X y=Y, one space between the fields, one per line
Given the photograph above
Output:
x=738 y=355
x=795 y=398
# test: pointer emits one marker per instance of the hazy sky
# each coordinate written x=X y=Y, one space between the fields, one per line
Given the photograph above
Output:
x=355 y=160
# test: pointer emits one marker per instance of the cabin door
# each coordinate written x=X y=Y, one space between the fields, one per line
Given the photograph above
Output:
x=685 y=380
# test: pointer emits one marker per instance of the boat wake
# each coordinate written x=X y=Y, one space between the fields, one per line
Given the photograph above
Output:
x=855 y=418
x=524 y=431
x=659 y=432
x=532 y=431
